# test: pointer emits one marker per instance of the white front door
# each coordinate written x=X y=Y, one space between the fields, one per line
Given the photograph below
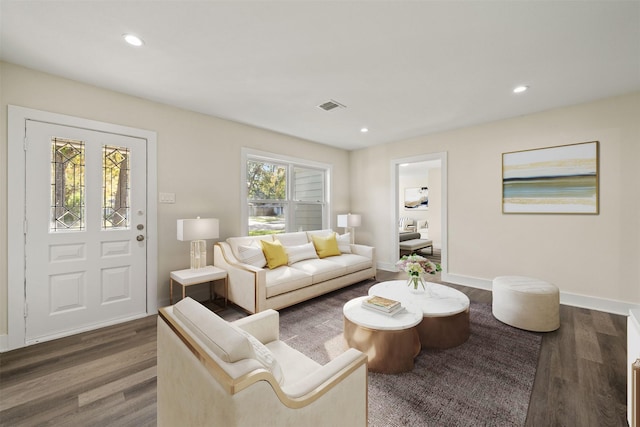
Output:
x=86 y=225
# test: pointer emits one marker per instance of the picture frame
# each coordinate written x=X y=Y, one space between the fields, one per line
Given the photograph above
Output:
x=416 y=198
x=554 y=180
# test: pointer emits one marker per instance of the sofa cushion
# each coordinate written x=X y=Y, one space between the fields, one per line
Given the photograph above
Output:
x=321 y=270
x=344 y=243
x=286 y=279
x=300 y=252
x=225 y=341
x=326 y=246
x=274 y=253
x=252 y=255
x=292 y=239
x=351 y=262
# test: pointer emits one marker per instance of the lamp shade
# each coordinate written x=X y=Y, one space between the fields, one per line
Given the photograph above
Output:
x=349 y=220
x=198 y=229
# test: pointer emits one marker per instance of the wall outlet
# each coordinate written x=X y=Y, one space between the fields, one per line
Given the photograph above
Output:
x=167 y=198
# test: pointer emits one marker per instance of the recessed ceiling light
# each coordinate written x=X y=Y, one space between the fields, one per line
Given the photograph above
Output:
x=133 y=40
x=364 y=130
x=520 y=89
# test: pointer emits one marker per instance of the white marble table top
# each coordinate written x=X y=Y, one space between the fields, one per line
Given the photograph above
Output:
x=437 y=301
x=193 y=276
x=406 y=318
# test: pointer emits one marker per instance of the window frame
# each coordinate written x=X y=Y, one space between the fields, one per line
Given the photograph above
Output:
x=290 y=162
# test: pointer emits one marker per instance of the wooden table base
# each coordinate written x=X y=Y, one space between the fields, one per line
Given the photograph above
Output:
x=444 y=332
x=389 y=352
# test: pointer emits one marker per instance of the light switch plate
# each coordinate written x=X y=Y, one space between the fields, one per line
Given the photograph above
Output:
x=167 y=198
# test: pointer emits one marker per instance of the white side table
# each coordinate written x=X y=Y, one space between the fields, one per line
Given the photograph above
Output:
x=196 y=276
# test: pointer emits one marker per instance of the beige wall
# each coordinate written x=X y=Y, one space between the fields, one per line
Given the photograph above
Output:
x=199 y=161
x=585 y=255
x=198 y=158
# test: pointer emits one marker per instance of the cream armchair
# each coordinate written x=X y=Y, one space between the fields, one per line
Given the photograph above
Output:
x=217 y=373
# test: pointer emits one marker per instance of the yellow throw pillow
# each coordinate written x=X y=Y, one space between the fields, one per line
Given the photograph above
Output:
x=274 y=253
x=326 y=246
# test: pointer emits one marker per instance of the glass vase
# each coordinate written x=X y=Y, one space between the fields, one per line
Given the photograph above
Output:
x=414 y=282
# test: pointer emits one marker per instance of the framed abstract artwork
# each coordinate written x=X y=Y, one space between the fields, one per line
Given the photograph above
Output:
x=554 y=180
x=416 y=198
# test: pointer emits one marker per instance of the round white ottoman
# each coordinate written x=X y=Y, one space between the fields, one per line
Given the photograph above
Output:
x=526 y=303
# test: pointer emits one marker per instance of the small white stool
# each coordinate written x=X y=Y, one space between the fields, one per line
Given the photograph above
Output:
x=526 y=303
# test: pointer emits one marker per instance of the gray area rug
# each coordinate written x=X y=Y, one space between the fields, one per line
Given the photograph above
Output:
x=487 y=381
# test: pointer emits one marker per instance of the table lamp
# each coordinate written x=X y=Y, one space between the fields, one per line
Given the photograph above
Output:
x=350 y=221
x=196 y=230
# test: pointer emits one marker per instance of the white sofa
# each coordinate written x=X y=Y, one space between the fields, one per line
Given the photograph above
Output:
x=255 y=287
x=213 y=372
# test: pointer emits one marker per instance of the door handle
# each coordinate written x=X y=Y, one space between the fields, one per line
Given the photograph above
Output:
x=139 y=237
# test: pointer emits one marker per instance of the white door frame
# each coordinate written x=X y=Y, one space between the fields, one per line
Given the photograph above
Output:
x=395 y=213
x=16 y=211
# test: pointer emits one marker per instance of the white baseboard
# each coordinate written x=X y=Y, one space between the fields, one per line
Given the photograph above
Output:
x=473 y=282
x=600 y=304
x=566 y=298
x=386 y=266
x=4 y=343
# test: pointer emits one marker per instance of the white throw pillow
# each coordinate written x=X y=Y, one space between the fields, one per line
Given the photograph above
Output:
x=251 y=255
x=292 y=239
x=300 y=252
x=344 y=243
x=264 y=356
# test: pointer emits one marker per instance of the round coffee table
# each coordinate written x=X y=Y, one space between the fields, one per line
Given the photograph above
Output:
x=390 y=342
x=445 y=311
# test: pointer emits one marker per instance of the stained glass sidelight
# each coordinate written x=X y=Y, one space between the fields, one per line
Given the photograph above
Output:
x=67 y=185
x=115 y=187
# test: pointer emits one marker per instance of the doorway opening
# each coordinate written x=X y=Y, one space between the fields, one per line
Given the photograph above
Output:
x=419 y=197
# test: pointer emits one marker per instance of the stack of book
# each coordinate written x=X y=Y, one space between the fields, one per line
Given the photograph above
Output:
x=382 y=305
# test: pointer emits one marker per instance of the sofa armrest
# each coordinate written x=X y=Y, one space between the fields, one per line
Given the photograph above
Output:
x=265 y=326
x=367 y=251
x=245 y=281
x=334 y=371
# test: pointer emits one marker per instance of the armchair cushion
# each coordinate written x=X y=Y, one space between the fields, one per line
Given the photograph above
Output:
x=226 y=340
x=229 y=344
x=264 y=356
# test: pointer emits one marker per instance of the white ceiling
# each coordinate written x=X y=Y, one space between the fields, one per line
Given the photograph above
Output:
x=402 y=68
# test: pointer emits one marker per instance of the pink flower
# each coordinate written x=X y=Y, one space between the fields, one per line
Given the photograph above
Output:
x=416 y=265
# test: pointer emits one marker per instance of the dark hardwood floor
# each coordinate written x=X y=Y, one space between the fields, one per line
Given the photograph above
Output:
x=107 y=377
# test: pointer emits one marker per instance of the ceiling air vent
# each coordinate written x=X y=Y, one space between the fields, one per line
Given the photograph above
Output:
x=330 y=105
